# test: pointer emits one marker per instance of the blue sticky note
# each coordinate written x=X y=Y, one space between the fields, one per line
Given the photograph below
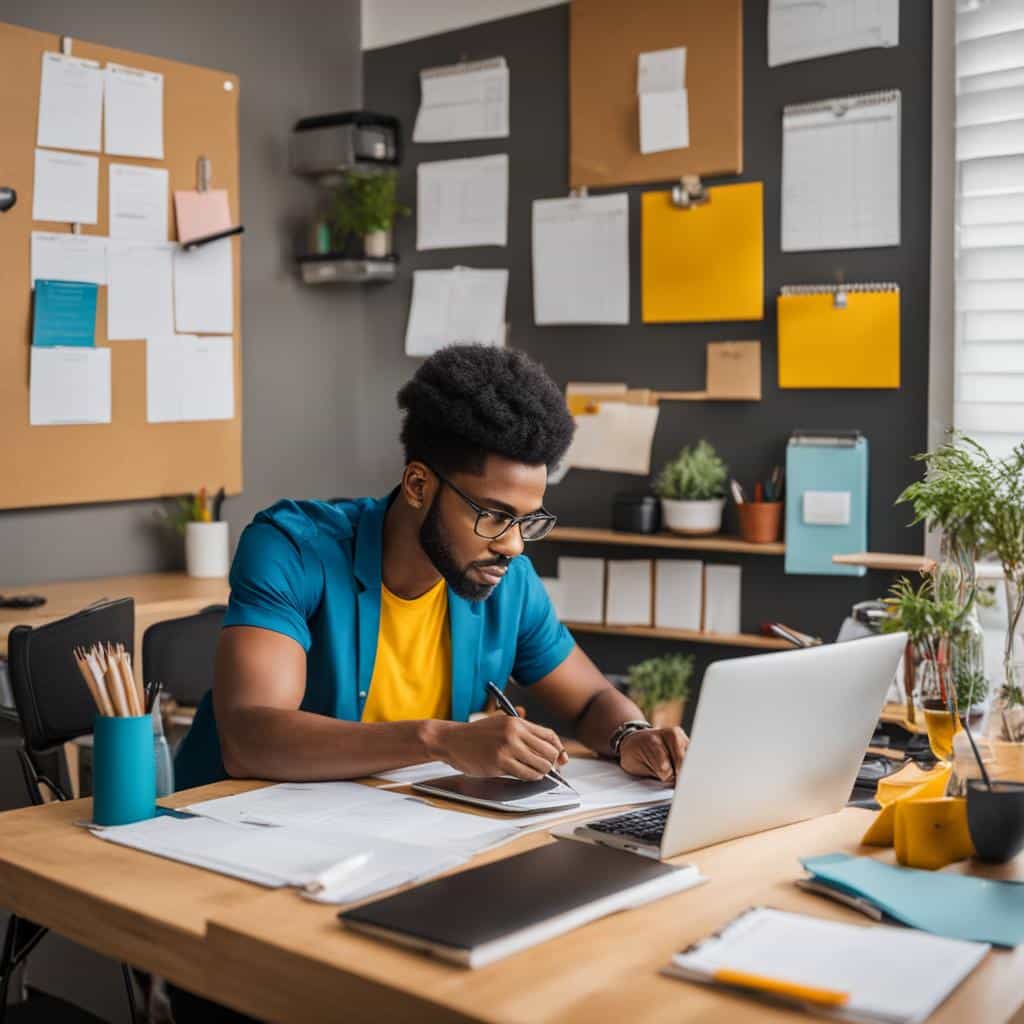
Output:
x=64 y=314
x=954 y=906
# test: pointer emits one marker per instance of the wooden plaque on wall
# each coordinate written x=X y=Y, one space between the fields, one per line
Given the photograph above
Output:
x=128 y=458
x=605 y=39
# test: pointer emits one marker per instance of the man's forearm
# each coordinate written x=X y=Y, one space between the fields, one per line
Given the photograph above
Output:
x=605 y=713
x=273 y=743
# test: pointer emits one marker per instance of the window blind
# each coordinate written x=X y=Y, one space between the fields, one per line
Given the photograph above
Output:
x=989 y=288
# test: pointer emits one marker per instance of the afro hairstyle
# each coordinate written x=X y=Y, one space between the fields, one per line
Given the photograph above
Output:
x=470 y=401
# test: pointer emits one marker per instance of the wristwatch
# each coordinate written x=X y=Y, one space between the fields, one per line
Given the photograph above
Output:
x=624 y=730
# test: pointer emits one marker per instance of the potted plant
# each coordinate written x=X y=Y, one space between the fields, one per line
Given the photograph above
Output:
x=660 y=686
x=196 y=517
x=365 y=207
x=692 y=490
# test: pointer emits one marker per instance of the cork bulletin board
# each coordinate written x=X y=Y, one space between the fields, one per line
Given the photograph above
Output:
x=128 y=458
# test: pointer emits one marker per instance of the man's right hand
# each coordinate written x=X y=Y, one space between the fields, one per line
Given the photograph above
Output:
x=499 y=745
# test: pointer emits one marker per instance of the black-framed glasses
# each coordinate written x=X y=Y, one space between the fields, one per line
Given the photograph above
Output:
x=492 y=523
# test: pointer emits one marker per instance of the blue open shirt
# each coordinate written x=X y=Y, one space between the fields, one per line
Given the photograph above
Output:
x=312 y=571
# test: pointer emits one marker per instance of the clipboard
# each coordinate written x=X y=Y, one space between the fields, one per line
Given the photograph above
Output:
x=511 y=796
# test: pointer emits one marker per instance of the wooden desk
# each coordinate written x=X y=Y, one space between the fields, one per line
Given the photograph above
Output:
x=280 y=958
x=158 y=596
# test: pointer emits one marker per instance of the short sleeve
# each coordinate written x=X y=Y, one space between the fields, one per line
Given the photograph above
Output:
x=543 y=642
x=270 y=584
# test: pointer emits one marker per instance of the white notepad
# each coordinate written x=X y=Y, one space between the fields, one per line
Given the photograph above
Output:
x=896 y=975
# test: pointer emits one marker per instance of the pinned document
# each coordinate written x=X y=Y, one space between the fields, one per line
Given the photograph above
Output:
x=70 y=103
x=664 y=105
x=189 y=379
x=140 y=298
x=459 y=305
x=138 y=202
x=67 y=257
x=705 y=262
x=841 y=173
x=463 y=101
x=69 y=386
x=199 y=214
x=203 y=288
x=839 y=336
x=616 y=439
x=798 y=30
x=581 y=260
x=134 y=112
x=64 y=313
x=462 y=202
x=66 y=187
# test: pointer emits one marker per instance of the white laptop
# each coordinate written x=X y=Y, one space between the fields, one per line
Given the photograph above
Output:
x=777 y=738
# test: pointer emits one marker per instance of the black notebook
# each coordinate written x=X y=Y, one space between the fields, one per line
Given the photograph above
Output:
x=483 y=914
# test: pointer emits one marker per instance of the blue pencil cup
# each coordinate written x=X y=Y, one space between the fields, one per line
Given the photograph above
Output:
x=124 y=770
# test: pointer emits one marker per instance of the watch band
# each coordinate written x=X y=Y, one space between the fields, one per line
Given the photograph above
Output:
x=634 y=725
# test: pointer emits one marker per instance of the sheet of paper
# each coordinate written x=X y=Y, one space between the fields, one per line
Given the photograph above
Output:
x=463 y=102
x=417 y=773
x=66 y=187
x=617 y=439
x=204 y=288
x=138 y=202
x=462 y=305
x=134 y=112
x=722 y=585
x=664 y=121
x=798 y=30
x=64 y=313
x=201 y=213
x=581 y=260
x=841 y=174
x=462 y=202
x=69 y=385
x=661 y=70
x=628 y=601
x=70 y=103
x=67 y=257
x=189 y=379
x=140 y=297
x=583 y=585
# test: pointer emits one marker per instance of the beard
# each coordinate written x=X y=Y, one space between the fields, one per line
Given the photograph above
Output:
x=436 y=547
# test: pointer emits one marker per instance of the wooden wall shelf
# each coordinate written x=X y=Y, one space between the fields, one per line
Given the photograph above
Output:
x=716 y=542
x=887 y=562
x=768 y=643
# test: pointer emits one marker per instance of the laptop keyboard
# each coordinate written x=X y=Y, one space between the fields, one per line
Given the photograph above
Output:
x=647 y=824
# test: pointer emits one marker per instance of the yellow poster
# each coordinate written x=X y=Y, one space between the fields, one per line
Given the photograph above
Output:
x=705 y=262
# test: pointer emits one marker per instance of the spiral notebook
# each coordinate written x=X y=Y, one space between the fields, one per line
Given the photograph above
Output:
x=839 y=336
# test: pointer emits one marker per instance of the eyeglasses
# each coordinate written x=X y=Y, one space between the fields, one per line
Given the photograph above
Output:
x=492 y=524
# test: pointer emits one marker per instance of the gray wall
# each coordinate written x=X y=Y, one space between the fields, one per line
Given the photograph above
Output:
x=304 y=349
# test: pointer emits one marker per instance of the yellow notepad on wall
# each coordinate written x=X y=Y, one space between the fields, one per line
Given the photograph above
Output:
x=706 y=262
x=839 y=336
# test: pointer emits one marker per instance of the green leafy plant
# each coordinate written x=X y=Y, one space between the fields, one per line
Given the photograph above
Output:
x=365 y=203
x=657 y=680
x=695 y=474
x=971 y=689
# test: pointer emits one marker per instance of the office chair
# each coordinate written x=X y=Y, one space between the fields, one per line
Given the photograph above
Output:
x=180 y=653
x=54 y=707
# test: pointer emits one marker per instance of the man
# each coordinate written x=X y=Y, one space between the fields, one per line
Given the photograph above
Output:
x=362 y=634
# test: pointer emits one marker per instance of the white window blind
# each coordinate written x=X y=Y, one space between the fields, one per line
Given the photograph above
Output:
x=990 y=222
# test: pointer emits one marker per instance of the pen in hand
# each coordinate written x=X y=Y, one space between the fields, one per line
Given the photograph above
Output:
x=509 y=708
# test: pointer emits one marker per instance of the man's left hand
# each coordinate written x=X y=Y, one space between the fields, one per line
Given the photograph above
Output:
x=657 y=753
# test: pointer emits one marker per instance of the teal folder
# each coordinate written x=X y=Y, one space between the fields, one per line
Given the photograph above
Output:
x=64 y=313
x=826 y=501
x=954 y=906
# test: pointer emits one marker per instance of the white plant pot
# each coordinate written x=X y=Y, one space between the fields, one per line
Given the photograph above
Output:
x=693 y=517
x=377 y=244
x=207 y=550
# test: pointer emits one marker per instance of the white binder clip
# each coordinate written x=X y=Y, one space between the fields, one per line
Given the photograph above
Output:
x=689 y=192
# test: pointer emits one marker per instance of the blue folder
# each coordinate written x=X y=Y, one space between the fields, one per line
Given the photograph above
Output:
x=954 y=906
x=64 y=313
x=826 y=501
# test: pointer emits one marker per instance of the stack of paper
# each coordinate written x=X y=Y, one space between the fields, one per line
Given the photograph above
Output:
x=463 y=101
x=664 y=108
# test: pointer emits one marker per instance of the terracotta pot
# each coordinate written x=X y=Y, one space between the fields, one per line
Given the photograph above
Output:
x=667 y=714
x=760 y=521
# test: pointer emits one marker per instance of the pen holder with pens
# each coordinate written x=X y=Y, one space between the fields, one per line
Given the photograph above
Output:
x=124 y=770
x=760 y=521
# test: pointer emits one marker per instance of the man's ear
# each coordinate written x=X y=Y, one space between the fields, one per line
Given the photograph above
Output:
x=417 y=485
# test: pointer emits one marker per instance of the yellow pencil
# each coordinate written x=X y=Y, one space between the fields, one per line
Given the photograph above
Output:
x=776 y=986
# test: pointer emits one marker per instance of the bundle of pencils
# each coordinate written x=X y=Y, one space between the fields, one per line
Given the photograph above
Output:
x=107 y=671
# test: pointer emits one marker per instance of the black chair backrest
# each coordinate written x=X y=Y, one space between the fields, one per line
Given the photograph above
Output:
x=180 y=653
x=53 y=703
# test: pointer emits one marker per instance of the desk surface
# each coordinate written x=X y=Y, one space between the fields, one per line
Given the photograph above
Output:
x=158 y=595
x=278 y=957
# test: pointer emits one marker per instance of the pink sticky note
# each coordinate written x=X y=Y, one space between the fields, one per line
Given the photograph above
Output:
x=201 y=213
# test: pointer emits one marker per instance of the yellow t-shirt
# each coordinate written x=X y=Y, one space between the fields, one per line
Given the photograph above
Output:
x=412 y=675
